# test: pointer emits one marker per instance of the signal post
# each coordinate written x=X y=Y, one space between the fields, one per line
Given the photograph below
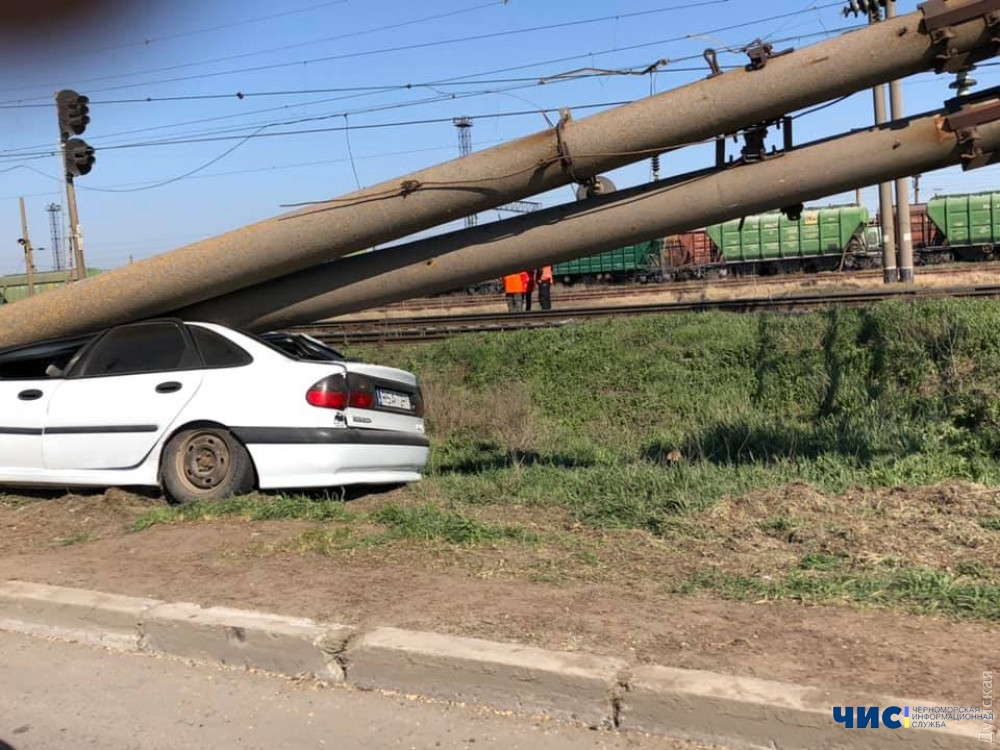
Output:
x=78 y=159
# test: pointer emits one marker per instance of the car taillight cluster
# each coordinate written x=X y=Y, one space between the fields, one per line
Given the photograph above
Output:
x=337 y=392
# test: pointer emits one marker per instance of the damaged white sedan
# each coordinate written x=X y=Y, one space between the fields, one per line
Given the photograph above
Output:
x=204 y=412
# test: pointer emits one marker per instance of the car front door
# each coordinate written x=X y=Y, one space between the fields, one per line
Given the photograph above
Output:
x=22 y=416
x=121 y=397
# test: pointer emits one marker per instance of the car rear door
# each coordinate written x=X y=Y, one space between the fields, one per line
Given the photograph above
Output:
x=121 y=397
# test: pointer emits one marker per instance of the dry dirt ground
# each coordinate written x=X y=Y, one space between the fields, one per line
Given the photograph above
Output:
x=602 y=592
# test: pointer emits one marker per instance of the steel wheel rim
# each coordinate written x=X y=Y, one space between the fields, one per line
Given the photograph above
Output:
x=204 y=461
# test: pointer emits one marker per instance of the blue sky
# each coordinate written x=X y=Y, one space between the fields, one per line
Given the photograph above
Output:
x=174 y=52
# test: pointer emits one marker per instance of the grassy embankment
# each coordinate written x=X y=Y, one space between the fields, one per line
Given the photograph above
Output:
x=752 y=457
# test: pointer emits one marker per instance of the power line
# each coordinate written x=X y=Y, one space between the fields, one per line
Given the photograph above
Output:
x=168 y=37
x=531 y=83
x=349 y=35
x=249 y=170
x=369 y=53
x=468 y=78
x=335 y=129
x=24 y=155
x=470 y=94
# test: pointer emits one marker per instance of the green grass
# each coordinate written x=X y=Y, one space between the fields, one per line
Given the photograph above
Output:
x=250 y=508
x=657 y=423
x=429 y=522
x=919 y=590
x=991 y=524
x=897 y=394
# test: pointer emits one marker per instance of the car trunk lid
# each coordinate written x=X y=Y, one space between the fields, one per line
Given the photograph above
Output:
x=391 y=400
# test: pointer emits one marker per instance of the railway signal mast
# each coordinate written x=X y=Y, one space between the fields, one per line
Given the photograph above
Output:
x=78 y=160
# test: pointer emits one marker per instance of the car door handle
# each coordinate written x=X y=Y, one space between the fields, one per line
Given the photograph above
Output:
x=32 y=395
x=171 y=387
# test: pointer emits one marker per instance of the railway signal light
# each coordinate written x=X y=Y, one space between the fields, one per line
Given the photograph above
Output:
x=74 y=114
x=79 y=157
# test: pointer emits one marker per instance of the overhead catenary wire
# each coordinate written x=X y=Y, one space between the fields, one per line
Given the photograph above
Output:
x=364 y=53
x=147 y=41
x=228 y=173
x=219 y=136
x=469 y=77
x=361 y=32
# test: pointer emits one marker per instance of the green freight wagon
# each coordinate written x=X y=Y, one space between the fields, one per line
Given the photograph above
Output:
x=641 y=262
x=821 y=239
x=15 y=286
x=970 y=224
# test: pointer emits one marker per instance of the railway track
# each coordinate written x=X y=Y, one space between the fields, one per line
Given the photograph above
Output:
x=591 y=294
x=433 y=328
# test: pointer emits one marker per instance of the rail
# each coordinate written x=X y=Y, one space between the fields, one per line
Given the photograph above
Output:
x=432 y=328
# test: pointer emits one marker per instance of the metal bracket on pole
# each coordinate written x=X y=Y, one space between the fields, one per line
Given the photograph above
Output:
x=713 y=62
x=964 y=121
x=760 y=53
x=755 y=149
x=941 y=16
x=565 y=157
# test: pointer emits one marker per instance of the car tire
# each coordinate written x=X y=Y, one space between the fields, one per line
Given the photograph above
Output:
x=205 y=463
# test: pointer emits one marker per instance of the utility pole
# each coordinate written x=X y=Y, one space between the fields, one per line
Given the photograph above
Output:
x=75 y=235
x=904 y=234
x=890 y=274
x=29 y=253
x=916 y=188
x=571 y=152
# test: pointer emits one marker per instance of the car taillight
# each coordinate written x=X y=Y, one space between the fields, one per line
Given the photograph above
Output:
x=361 y=391
x=336 y=392
x=329 y=393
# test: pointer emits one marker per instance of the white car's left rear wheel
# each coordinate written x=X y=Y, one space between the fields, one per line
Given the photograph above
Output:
x=205 y=463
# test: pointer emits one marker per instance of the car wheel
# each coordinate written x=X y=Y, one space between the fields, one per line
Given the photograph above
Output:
x=205 y=463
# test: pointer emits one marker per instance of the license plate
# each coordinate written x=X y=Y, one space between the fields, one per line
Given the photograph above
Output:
x=393 y=400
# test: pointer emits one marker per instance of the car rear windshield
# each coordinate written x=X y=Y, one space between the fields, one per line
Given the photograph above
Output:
x=302 y=347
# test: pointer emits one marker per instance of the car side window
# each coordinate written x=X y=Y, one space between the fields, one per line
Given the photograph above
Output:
x=135 y=349
x=218 y=351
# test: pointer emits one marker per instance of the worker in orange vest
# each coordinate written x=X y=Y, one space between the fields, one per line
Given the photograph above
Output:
x=543 y=277
x=513 y=287
x=528 y=281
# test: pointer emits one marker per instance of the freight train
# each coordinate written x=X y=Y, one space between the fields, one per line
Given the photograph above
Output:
x=836 y=238
x=14 y=287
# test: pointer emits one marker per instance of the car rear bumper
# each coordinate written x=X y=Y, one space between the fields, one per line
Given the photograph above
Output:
x=290 y=458
x=328 y=436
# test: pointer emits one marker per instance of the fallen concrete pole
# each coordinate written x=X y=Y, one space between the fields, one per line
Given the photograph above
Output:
x=939 y=36
x=920 y=144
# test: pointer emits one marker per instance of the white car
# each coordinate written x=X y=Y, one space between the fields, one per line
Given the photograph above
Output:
x=204 y=412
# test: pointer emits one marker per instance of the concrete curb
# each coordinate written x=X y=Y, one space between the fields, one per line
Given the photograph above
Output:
x=599 y=691
x=578 y=687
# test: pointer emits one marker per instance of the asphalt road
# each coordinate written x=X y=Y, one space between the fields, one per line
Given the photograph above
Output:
x=58 y=695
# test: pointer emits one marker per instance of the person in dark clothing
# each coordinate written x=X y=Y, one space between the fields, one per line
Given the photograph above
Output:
x=543 y=279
